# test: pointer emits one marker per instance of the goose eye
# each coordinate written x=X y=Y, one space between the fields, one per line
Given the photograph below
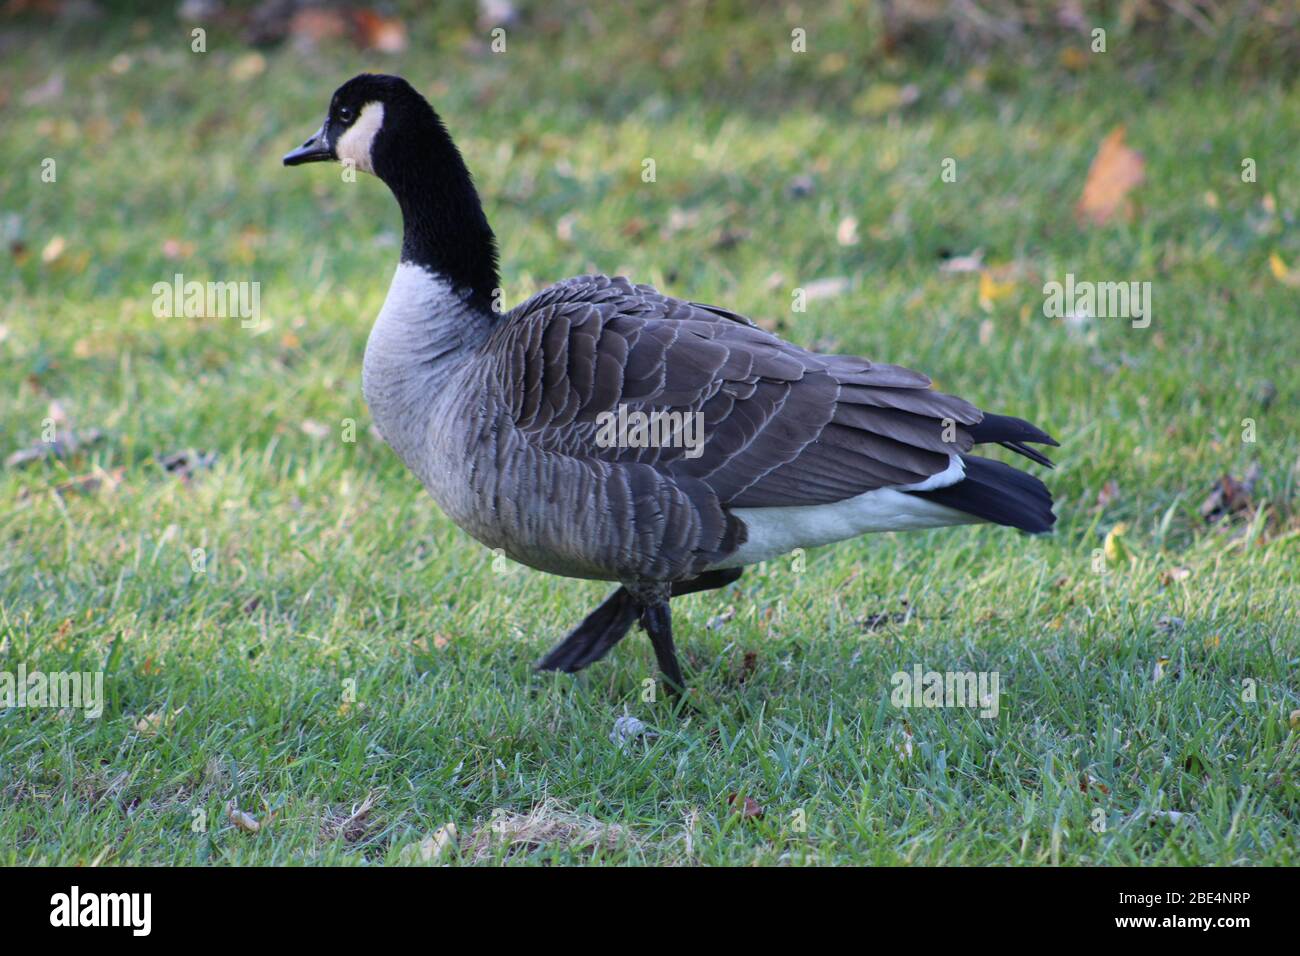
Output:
x=345 y=115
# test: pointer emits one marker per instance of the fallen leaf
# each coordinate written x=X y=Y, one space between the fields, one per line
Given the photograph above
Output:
x=1172 y=575
x=432 y=847
x=1158 y=672
x=748 y=664
x=1281 y=272
x=1230 y=496
x=151 y=724
x=1088 y=782
x=1115 y=171
x=992 y=291
x=1074 y=59
x=242 y=821
x=376 y=32
x=746 y=806
x=1113 y=547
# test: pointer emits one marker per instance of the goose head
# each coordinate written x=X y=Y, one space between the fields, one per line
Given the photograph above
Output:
x=383 y=126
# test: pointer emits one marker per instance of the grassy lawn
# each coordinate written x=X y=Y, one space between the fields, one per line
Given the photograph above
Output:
x=295 y=627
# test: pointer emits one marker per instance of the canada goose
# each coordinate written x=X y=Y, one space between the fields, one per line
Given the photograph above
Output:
x=501 y=415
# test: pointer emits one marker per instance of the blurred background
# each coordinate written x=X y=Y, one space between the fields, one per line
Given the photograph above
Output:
x=796 y=146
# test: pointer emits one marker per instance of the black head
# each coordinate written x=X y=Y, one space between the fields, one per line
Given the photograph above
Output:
x=381 y=125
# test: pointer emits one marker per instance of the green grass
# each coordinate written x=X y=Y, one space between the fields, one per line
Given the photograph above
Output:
x=324 y=563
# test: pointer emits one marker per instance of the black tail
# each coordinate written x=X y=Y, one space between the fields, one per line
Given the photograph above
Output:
x=998 y=493
x=1013 y=433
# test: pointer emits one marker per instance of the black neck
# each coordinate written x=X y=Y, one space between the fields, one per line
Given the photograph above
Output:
x=443 y=225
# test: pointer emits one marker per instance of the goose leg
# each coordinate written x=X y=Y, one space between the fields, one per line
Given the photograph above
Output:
x=608 y=624
x=657 y=621
x=592 y=639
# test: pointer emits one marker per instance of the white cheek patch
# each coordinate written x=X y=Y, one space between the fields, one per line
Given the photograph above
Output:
x=354 y=145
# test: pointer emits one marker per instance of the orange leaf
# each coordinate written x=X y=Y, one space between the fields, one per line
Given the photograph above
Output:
x=1115 y=170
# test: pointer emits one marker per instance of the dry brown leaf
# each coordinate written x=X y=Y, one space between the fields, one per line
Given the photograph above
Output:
x=1231 y=496
x=1088 y=782
x=746 y=806
x=1115 y=170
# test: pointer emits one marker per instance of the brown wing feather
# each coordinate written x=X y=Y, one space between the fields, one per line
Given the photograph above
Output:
x=782 y=426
